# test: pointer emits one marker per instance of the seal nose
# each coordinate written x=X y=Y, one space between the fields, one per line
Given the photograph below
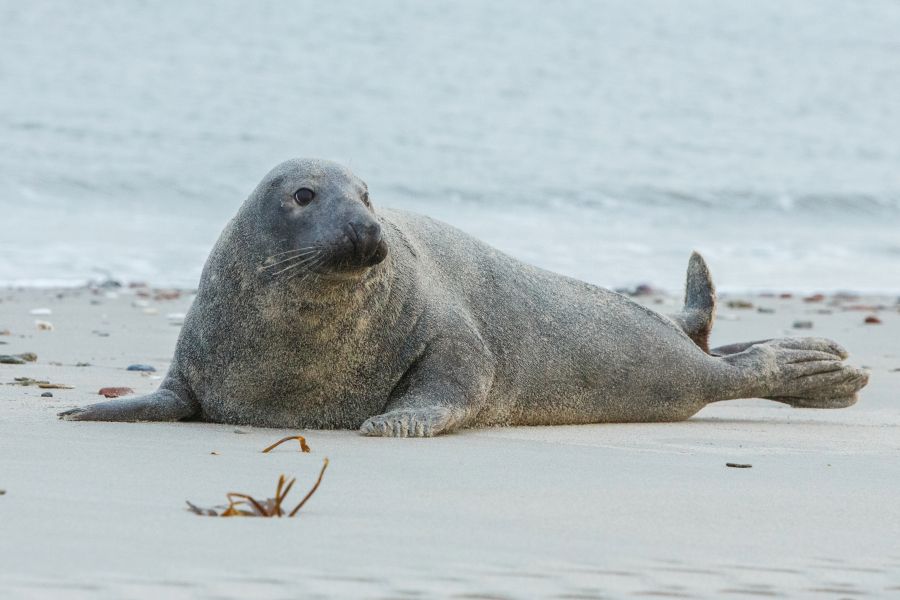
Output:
x=365 y=237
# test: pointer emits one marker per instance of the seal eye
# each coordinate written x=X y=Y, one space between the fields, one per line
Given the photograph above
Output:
x=365 y=199
x=304 y=196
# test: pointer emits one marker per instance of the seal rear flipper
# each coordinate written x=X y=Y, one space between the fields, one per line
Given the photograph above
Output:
x=696 y=318
x=161 y=405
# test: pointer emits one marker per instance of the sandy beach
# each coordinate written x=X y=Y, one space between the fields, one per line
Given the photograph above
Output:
x=97 y=510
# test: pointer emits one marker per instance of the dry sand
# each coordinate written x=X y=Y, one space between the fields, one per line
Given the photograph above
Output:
x=96 y=510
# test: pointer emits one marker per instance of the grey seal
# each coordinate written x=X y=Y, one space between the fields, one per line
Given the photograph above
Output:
x=316 y=311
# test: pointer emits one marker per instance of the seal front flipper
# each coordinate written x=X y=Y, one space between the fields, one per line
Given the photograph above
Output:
x=162 y=405
x=443 y=390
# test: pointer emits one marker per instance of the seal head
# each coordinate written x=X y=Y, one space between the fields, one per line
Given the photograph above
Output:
x=316 y=216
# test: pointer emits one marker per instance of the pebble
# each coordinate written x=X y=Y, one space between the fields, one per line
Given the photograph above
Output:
x=47 y=395
x=814 y=298
x=765 y=310
x=115 y=392
x=82 y=364
x=803 y=324
x=43 y=325
x=740 y=304
x=6 y=332
x=40 y=311
x=872 y=320
x=142 y=368
x=739 y=465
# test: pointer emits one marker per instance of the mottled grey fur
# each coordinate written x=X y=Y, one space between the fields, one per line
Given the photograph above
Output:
x=440 y=331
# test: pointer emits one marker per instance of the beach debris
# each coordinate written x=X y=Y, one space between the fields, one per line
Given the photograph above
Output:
x=142 y=368
x=5 y=332
x=765 y=310
x=214 y=453
x=26 y=381
x=40 y=312
x=815 y=298
x=82 y=364
x=45 y=385
x=18 y=359
x=803 y=324
x=740 y=304
x=785 y=295
x=244 y=505
x=115 y=392
x=303 y=445
x=43 y=325
x=872 y=320
x=739 y=465
x=47 y=395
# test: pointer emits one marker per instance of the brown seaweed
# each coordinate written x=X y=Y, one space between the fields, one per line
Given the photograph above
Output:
x=245 y=505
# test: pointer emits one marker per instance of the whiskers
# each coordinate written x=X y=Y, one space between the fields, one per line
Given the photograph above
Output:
x=293 y=263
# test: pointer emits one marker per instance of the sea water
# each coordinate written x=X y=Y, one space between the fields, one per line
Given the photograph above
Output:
x=603 y=140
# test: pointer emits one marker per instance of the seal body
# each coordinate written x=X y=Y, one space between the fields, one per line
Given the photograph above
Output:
x=424 y=329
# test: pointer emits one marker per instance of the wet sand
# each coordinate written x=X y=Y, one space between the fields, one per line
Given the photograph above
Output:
x=96 y=510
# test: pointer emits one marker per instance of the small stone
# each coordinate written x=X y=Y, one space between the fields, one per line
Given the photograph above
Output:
x=739 y=465
x=82 y=364
x=5 y=332
x=47 y=395
x=814 y=298
x=43 y=325
x=872 y=320
x=40 y=312
x=803 y=324
x=740 y=304
x=765 y=310
x=785 y=296
x=142 y=368
x=115 y=392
